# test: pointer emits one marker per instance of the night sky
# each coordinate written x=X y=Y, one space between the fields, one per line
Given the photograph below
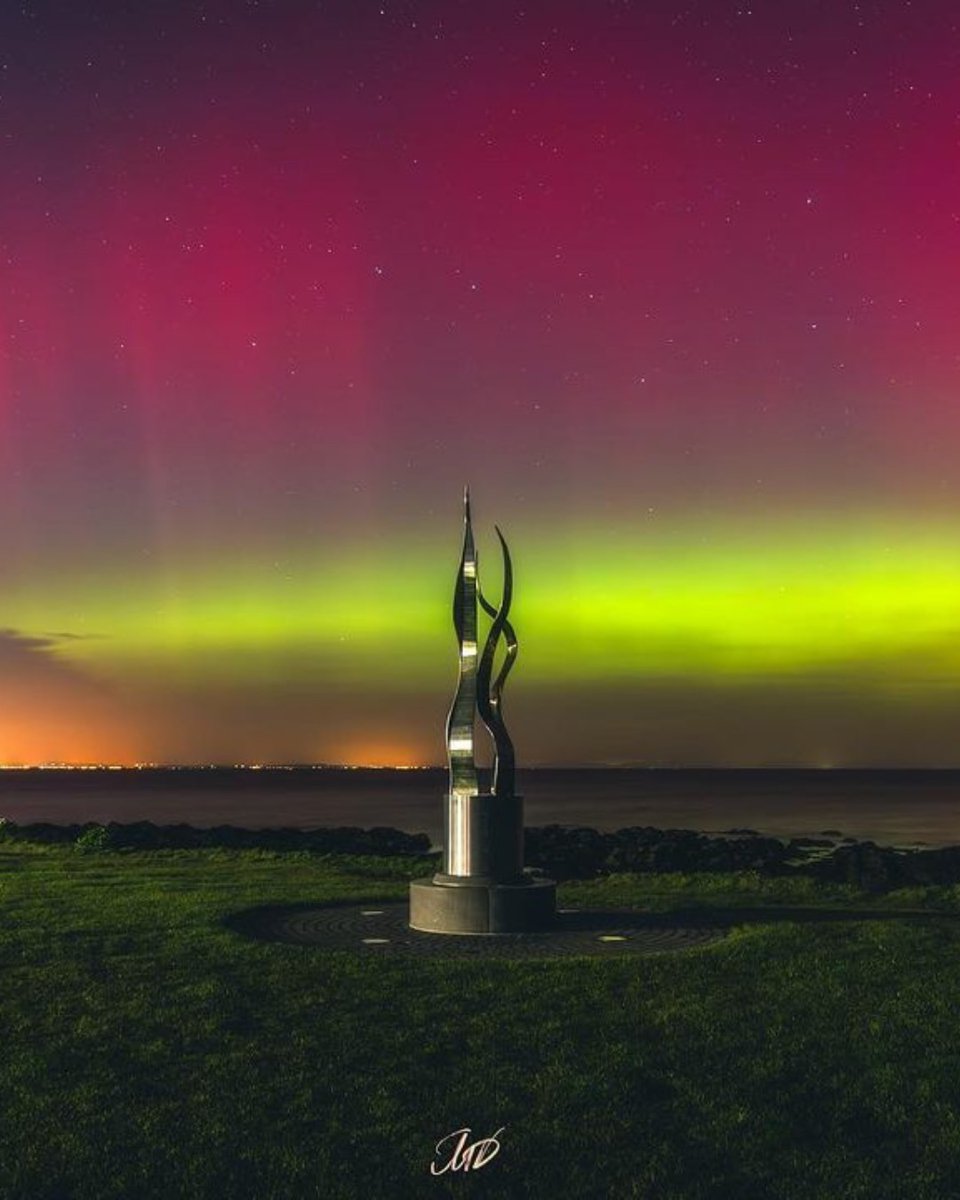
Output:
x=674 y=287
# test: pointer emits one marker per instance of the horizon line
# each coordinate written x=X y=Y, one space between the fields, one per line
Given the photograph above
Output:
x=540 y=766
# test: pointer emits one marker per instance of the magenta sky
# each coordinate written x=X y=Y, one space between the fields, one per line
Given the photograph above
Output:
x=277 y=278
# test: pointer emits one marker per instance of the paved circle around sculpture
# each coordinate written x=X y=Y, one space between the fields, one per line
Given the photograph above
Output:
x=373 y=928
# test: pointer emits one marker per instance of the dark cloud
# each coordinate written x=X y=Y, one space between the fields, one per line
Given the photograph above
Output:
x=19 y=647
x=28 y=657
x=64 y=636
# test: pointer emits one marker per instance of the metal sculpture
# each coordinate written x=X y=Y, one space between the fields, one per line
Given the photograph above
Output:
x=476 y=693
x=482 y=886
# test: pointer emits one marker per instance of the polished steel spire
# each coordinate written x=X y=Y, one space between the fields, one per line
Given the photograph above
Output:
x=477 y=692
x=460 y=721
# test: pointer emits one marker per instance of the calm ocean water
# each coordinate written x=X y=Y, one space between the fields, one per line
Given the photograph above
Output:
x=893 y=807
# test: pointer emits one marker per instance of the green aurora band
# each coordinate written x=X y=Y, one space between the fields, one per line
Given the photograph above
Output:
x=702 y=604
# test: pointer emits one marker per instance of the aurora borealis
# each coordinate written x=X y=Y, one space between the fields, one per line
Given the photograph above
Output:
x=673 y=287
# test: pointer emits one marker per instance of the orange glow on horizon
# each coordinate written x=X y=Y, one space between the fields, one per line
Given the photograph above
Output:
x=383 y=755
x=50 y=740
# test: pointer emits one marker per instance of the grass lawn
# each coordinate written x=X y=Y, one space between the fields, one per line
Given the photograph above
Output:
x=148 y=1051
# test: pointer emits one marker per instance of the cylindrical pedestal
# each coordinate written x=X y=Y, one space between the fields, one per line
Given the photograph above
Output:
x=483 y=837
x=478 y=907
x=482 y=887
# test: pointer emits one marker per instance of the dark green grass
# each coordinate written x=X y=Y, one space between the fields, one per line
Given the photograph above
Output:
x=149 y=1052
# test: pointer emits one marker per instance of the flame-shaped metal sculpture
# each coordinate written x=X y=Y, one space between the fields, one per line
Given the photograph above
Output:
x=482 y=887
x=475 y=692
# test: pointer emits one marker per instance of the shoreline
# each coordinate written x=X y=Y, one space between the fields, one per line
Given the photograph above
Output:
x=891 y=808
x=560 y=851
x=58 y=831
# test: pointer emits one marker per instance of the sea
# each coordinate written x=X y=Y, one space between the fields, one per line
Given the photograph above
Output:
x=901 y=808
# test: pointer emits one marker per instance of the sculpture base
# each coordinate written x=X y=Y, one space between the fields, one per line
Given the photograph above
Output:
x=478 y=906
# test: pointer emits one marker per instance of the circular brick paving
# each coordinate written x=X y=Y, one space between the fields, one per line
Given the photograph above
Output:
x=378 y=929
